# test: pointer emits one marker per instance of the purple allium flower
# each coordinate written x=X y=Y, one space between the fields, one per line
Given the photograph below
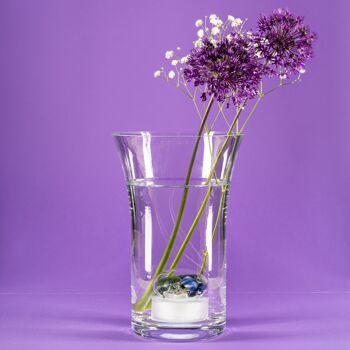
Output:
x=228 y=69
x=284 y=41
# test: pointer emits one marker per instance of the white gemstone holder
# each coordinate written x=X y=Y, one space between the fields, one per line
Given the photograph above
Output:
x=179 y=310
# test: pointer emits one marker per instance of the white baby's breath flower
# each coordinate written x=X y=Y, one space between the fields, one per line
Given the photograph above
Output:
x=171 y=74
x=212 y=16
x=215 y=31
x=157 y=74
x=198 y=43
x=229 y=37
x=219 y=22
x=236 y=22
x=184 y=59
x=200 y=33
x=213 y=41
x=169 y=54
x=249 y=35
x=302 y=70
x=199 y=23
x=174 y=62
x=230 y=18
x=283 y=76
x=216 y=21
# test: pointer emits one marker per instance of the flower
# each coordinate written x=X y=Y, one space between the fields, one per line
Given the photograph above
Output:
x=200 y=33
x=235 y=22
x=198 y=43
x=157 y=73
x=215 y=21
x=198 y=23
x=171 y=74
x=228 y=70
x=215 y=31
x=174 y=62
x=169 y=54
x=184 y=59
x=284 y=41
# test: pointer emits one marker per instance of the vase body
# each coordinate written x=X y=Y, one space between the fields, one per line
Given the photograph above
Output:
x=178 y=186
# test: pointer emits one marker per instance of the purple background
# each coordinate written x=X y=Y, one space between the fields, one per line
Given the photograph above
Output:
x=72 y=72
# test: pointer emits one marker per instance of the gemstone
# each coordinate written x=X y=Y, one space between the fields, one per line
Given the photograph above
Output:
x=180 y=286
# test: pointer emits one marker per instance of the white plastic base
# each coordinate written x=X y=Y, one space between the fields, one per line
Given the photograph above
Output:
x=179 y=310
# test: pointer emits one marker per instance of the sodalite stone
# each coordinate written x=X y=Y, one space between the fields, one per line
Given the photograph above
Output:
x=180 y=286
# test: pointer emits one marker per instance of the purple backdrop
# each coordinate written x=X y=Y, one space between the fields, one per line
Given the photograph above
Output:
x=72 y=72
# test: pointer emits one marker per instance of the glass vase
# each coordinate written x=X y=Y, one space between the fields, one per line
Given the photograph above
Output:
x=178 y=186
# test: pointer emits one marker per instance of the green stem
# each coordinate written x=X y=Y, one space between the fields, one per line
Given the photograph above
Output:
x=190 y=232
x=229 y=132
x=206 y=198
x=223 y=193
x=143 y=302
x=205 y=257
x=251 y=112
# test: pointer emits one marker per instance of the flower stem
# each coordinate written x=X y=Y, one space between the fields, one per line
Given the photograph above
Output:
x=222 y=199
x=190 y=232
x=206 y=198
x=144 y=301
x=251 y=112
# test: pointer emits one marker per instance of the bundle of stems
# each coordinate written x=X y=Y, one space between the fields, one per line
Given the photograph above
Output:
x=234 y=133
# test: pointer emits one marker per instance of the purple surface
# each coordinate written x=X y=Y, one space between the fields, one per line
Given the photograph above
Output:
x=72 y=72
x=99 y=321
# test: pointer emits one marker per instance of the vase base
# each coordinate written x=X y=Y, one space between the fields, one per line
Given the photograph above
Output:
x=184 y=333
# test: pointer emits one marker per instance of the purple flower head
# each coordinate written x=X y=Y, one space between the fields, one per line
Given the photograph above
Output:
x=284 y=41
x=228 y=69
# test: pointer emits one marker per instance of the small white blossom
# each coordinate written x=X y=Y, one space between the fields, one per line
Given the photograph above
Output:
x=184 y=59
x=178 y=48
x=283 y=76
x=212 y=16
x=171 y=74
x=264 y=41
x=230 y=18
x=229 y=37
x=219 y=22
x=249 y=35
x=213 y=41
x=198 y=43
x=258 y=54
x=169 y=54
x=174 y=62
x=199 y=23
x=302 y=70
x=216 y=22
x=200 y=33
x=215 y=31
x=157 y=73
x=236 y=22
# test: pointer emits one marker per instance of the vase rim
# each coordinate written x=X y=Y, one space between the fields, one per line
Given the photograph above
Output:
x=171 y=134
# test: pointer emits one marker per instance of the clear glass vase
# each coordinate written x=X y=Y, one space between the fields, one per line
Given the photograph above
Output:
x=178 y=187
